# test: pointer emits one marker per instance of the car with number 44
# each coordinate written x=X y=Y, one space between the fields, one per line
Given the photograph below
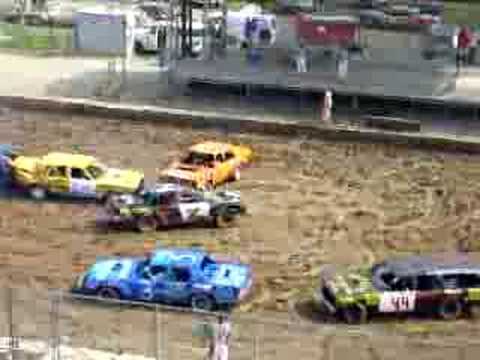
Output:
x=70 y=174
x=170 y=205
x=183 y=277
x=443 y=285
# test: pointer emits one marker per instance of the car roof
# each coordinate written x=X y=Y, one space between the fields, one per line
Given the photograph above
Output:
x=432 y=264
x=68 y=159
x=210 y=147
x=185 y=257
x=167 y=187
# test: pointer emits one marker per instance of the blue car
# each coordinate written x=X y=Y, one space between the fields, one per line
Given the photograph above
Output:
x=169 y=276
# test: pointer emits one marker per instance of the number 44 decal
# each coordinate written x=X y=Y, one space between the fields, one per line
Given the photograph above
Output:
x=397 y=301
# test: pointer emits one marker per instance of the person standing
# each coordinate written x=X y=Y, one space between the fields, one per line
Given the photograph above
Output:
x=465 y=39
x=220 y=349
x=326 y=112
x=342 y=64
x=302 y=59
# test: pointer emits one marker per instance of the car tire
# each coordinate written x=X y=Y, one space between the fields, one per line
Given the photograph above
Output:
x=38 y=192
x=474 y=311
x=108 y=293
x=355 y=314
x=202 y=302
x=224 y=220
x=450 y=309
x=145 y=224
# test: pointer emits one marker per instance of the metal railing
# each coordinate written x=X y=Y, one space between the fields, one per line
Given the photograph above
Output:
x=57 y=325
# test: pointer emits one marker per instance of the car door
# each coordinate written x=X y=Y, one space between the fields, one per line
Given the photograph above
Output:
x=57 y=179
x=429 y=292
x=223 y=169
x=176 y=288
x=148 y=283
x=401 y=298
x=192 y=207
x=81 y=183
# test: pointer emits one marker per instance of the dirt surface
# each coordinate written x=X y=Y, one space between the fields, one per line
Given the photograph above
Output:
x=310 y=203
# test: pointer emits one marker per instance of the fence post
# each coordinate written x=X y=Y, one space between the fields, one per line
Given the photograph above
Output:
x=12 y=341
x=155 y=332
x=163 y=349
x=54 y=334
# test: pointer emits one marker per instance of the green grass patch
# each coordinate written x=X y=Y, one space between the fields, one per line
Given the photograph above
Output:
x=462 y=13
x=17 y=36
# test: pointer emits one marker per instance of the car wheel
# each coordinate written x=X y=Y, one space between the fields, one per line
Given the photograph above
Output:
x=355 y=314
x=202 y=302
x=146 y=224
x=38 y=193
x=474 y=311
x=450 y=309
x=224 y=220
x=108 y=293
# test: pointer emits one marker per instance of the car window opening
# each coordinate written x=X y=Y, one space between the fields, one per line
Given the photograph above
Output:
x=196 y=158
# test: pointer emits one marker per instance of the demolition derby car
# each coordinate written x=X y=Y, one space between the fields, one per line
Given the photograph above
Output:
x=447 y=286
x=209 y=164
x=170 y=276
x=73 y=175
x=169 y=205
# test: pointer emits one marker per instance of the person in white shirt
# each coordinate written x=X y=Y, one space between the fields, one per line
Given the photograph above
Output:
x=221 y=339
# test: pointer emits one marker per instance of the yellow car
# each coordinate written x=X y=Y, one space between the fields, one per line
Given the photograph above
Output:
x=209 y=164
x=74 y=175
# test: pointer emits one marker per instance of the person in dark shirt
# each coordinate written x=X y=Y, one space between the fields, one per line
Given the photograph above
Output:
x=465 y=39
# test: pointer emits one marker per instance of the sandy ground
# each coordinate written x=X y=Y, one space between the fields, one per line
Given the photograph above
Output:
x=311 y=203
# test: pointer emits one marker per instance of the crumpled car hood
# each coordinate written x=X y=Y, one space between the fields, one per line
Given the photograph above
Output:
x=129 y=179
x=349 y=281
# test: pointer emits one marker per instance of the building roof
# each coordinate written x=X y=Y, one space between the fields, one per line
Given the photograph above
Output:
x=68 y=159
x=210 y=147
x=428 y=264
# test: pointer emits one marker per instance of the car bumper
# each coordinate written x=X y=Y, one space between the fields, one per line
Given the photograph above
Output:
x=246 y=292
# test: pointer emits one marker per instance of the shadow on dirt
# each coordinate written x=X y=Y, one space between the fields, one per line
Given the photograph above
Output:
x=306 y=311
x=11 y=193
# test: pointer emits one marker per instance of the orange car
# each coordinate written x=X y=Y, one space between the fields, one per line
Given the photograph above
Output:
x=209 y=164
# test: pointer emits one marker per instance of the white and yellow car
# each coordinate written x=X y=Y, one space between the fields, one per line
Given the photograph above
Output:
x=73 y=175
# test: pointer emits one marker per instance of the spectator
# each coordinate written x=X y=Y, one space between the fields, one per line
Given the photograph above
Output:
x=465 y=40
x=342 y=64
x=221 y=338
x=326 y=112
x=302 y=59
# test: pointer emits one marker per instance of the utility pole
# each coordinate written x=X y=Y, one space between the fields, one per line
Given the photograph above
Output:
x=184 y=27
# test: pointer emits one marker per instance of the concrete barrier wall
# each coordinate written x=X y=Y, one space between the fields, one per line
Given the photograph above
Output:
x=232 y=124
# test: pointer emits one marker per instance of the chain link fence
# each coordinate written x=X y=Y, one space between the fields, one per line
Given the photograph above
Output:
x=54 y=325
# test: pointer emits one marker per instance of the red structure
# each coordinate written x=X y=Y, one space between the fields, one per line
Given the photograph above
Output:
x=327 y=30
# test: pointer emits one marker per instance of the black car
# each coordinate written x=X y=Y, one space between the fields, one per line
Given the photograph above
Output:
x=170 y=205
x=444 y=285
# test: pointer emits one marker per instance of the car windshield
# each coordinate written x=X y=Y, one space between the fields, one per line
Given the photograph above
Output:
x=197 y=158
x=208 y=264
x=97 y=170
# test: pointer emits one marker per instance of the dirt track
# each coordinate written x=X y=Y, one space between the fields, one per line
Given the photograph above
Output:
x=311 y=203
